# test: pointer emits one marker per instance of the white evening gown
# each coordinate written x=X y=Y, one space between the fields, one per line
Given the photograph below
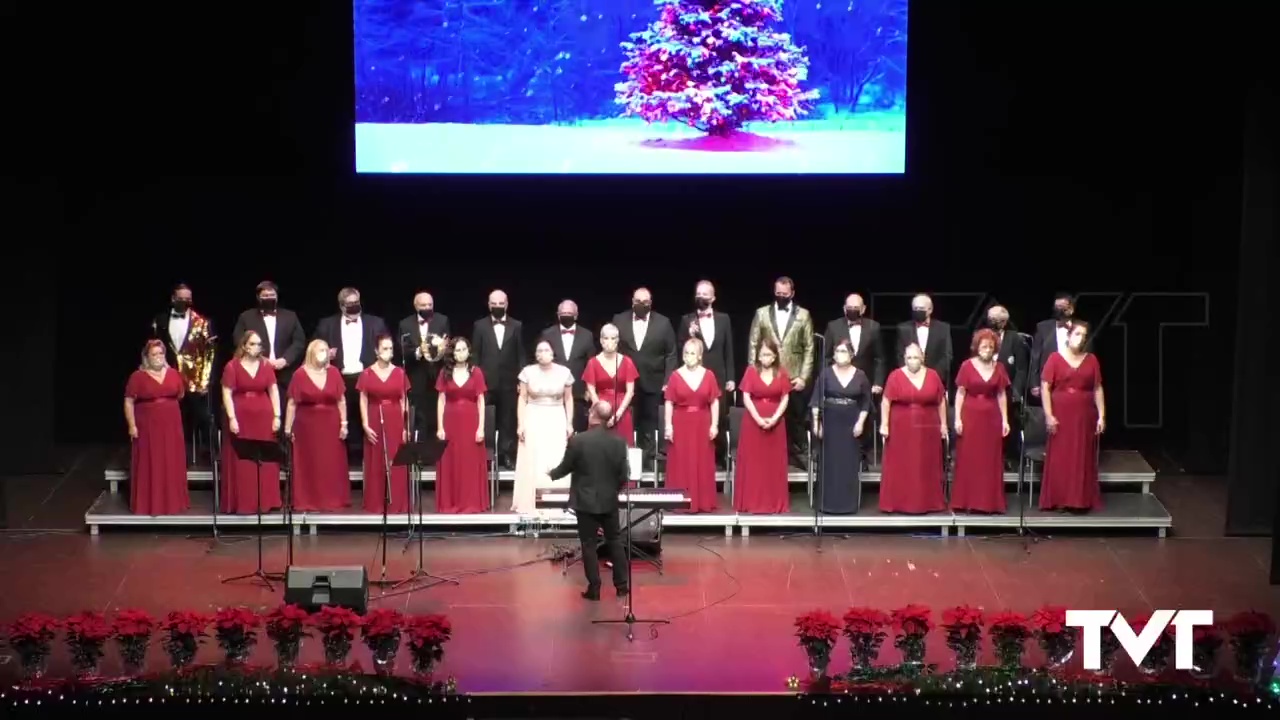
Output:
x=545 y=436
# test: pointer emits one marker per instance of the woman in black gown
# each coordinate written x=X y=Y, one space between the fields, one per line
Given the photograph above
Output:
x=840 y=404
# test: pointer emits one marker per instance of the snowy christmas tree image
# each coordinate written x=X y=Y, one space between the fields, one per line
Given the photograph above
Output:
x=715 y=65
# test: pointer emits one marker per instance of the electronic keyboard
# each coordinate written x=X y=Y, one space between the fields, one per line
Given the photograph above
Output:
x=640 y=500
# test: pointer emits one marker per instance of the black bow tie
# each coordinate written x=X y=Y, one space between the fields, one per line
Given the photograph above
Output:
x=180 y=316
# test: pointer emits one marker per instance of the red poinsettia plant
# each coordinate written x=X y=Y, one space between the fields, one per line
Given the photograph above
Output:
x=183 y=632
x=911 y=624
x=32 y=636
x=427 y=635
x=382 y=629
x=963 y=626
x=1206 y=640
x=1049 y=624
x=1249 y=632
x=865 y=629
x=337 y=626
x=86 y=634
x=236 y=629
x=818 y=631
x=286 y=626
x=132 y=630
x=1009 y=633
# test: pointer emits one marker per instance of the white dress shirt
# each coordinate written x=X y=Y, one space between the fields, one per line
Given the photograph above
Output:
x=500 y=332
x=855 y=337
x=352 y=344
x=178 y=326
x=638 y=328
x=566 y=340
x=270 y=322
x=782 y=317
x=1062 y=332
x=922 y=336
x=707 y=326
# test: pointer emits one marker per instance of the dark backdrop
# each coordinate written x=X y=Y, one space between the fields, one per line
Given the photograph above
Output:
x=1088 y=147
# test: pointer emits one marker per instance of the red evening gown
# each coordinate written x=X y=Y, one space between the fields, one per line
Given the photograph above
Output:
x=691 y=455
x=760 y=473
x=158 y=468
x=462 y=484
x=612 y=389
x=911 y=476
x=1071 y=454
x=386 y=396
x=251 y=396
x=978 y=483
x=321 y=478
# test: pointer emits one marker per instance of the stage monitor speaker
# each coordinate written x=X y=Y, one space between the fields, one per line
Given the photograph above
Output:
x=314 y=587
x=647 y=534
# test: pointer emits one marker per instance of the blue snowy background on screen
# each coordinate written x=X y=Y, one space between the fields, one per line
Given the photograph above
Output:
x=537 y=86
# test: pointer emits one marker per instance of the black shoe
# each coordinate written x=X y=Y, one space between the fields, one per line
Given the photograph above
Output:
x=591 y=594
x=623 y=591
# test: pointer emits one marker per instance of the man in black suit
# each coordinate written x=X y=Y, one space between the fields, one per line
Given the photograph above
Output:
x=423 y=336
x=716 y=333
x=933 y=336
x=573 y=347
x=352 y=336
x=1051 y=337
x=597 y=461
x=283 y=340
x=497 y=348
x=649 y=340
x=863 y=336
x=1013 y=353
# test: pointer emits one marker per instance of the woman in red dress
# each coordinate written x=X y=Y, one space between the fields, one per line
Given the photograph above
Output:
x=158 y=468
x=384 y=407
x=316 y=421
x=1075 y=414
x=760 y=473
x=692 y=413
x=982 y=424
x=611 y=377
x=251 y=401
x=914 y=417
x=462 y=472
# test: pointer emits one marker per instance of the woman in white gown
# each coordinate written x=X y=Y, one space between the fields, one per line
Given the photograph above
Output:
x=545 y=422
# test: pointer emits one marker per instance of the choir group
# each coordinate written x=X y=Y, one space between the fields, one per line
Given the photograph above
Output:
x=672 y=388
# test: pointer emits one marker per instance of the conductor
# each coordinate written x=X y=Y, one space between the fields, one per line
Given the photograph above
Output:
x=597 y=460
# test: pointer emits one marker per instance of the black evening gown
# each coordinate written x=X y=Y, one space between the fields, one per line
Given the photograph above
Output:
x=839 y=489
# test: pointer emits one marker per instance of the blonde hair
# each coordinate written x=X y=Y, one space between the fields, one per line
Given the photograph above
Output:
x=697 y=345
x=312 y=347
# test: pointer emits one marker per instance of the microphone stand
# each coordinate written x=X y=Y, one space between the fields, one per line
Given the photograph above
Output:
x=817 y=474
x=1023 y=533
x=629 y=619
x=382 y=580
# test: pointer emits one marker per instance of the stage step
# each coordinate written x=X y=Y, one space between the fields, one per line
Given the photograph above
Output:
x=1116 y=467
x=1121 y=511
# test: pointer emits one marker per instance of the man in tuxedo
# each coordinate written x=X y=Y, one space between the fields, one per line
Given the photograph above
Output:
x=423 y=336
x=352 y=336
x=1013 y=353
x=497 y=348
x=597 y=462
x=1051 y=337
x=572 y=347
x=190 y=347
x=791 y=327
x=716 y=333
x=932 y=335
x=649 y=340
x=864 y=338
x=283 y=340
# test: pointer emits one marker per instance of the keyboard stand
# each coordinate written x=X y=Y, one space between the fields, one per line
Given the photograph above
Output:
x=635 y=553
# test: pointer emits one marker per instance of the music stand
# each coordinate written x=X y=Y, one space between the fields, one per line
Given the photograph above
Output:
x=413 y=456
x=258 y=452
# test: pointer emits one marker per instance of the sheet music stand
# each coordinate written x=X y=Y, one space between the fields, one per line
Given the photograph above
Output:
x=257 y=452
x=414 y=456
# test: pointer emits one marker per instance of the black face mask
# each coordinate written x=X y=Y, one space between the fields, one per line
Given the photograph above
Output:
x=426 y=314
x=497 y=313
x=702 y=303
x=919 y=315
x=1060 y=314
x=852 y=314
x=181 y=306
x=640 y=309
x=783 y=301
x=352 y=309
x=996 y=325
x=268 y=304
x=567 y=321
